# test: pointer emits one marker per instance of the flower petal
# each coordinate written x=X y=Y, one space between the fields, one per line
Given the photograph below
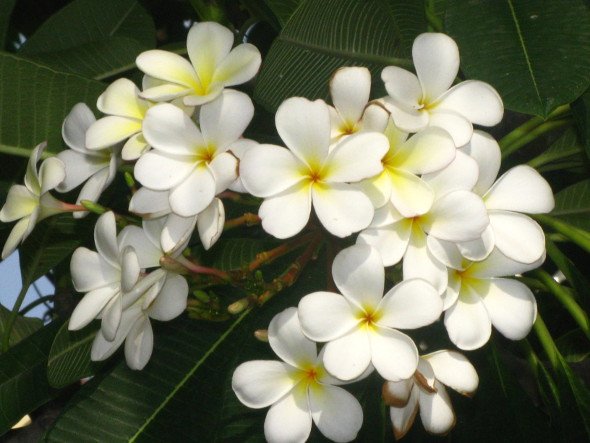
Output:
x=403 y=87
x=349 y=356
x=511 y=306
x=75 y=125
x=342 y=208
x=91 y=305
x=484 y=149
x=241 y=65
x=454 y=370
x=267 y=170
x=456 y=125
x=304 y=126
x=111 y=317
x=467 y=321
x=166 y=91
x=145 y=251
x=393 y=354
x=517 y=236
x=477 y=101
x=391 y=241
x=194 y=194
x=139 y=343
x=224 y=168
x=410 y=304
x=171 y=301
x=105 y=238
x=521 y=189
x=410 y=195
x=207 y=44
x=225 y=119
x=445 y=252
x=149 y=203
x=436 y=411
x=17 y=235
x=78 y=168
x=287 y=213
x=260 y=383
x=397 y=393
x=288 y=420
x=436 y=59
x=121 y=98
x=288 y=341
x=326 y=316
x=337 y=413
x=499 y=265
x=134 y=147
x=176 y=232
x=130 y=268
x=350 y=88
x=429 y=150
x=90 y=271
x=477 y=250
x=20 y=202
x=51 y=173
x=169 y=67
x=402 y=418
x=110 y=130
x=460 y=174
x=420 y=263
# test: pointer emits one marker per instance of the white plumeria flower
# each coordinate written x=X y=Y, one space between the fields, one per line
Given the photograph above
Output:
x=428 y=151
x=350 y=88
x=194 y=165
x=311 y=173
x=418 y=101
x=108 y=276
x=32 y=202
x=477 y=297
x=359 y=326
x=95 y=167
x=298 y=389
x=155 y=204
x=456 y=215
x=239 y=149
x=426 y=392
x=213 y=66
x=163 y=301
x=519 y=190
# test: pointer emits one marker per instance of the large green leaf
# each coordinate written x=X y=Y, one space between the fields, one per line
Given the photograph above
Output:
x=22 y=328
x=69 y=358
x=581 y=113
x=283 y=9
x=323 y=36
x=6 y=7
x=572 y=205
x=575 y=403
x=23 y=378
x=534 y=52
x=34 y=100
x=93 y=39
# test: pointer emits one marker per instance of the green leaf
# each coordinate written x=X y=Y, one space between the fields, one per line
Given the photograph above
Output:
x=576 y=404
x=34 y=100
x=323 y=36
x=572 y=205
x=23 y=378
x=93 y=39
x=571 y=272
x=581 y=113
x=69 y=357
x=563 y=148
x=573 y=345
x=22 y=328
x=534 y=52
x=283 y=9
x=234 y=253
x=6 y=7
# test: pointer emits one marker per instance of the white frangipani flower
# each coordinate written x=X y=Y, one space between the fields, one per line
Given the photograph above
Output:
x=193 y=164
x=311 y=173
x=456 y=215
x=95 y=167
x=32 y=202
x=426 y=392
x=428 y=151
x=350 y=88
x=418 y=101
x=519 y=190
x=359 y=326
x=213 y=66
x=477 y=297
x=298 y=389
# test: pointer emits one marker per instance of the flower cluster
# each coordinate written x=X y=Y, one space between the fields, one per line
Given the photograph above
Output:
x=407 y=173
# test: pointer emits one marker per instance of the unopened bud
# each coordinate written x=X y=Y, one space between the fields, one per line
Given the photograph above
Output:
x=93 y=207
x=169 y=264
x=238 y=306
x=129 y=180
x=202 y=296
x=261 y=335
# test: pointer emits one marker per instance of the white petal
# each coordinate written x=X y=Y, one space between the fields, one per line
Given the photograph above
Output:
x=134 y=147
x=201 y=96
x=110 y=130
x=359 y=274
x=420 y=263
x=20 y=202
x=288 y=341
x=436 y=59
x=210 y=223
x=105 y=238
x=393 y=354
x=403 y=86
x=445 y=252
x=517 y=236
x=410 y=195
x=403 y=418
x=326 y=316
x=521 y=189
x=168 y=66
x=397 y=393
x=467 y=322
x=51 y=173
x=17 y=235
x=484 y=149
x=167 y=128
x=89 y=271
x=260 y=383
x=477 y=101
x=456 y=125
x=121 y=98
x=511 y=306
x=166 y=91
x=90 y=306
x=477 y=250
x=75 y=126
x=171 y=301
x=225 y=119
x=460 y=174
x=103 y=348
x=135 y=238
x=241 y=65
x=378 y=188
x=304 y=126
x=148 y=203
x=498 y=265
x=194 y=194
x=429 y=150
x=342 y=208
x=288 y=420
x=337 y=413
x=454 y=370
x=94 y=187
x=391 y=241
x=78 y=168
x=356 y=157
x=408 y=120
x=208 y=43
x=348 y=357
x=177 y=232
x=139 y=343
x=130 y=268
x=267 y=170
x=410 y=304
x=287 y=213
x=350 y=88
x=225 y=171
x=111 y=317
x=375 y=118
x=436 y=411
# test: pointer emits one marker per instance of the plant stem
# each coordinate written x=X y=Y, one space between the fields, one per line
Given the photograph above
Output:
x=566 y=300
x=546 y=341
x=268 y=256
x=198 y=269
x=14 y=313
x=527 y=137
x=435 y=23
x=248 y=219
x=35 y=303
x=578 y=236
